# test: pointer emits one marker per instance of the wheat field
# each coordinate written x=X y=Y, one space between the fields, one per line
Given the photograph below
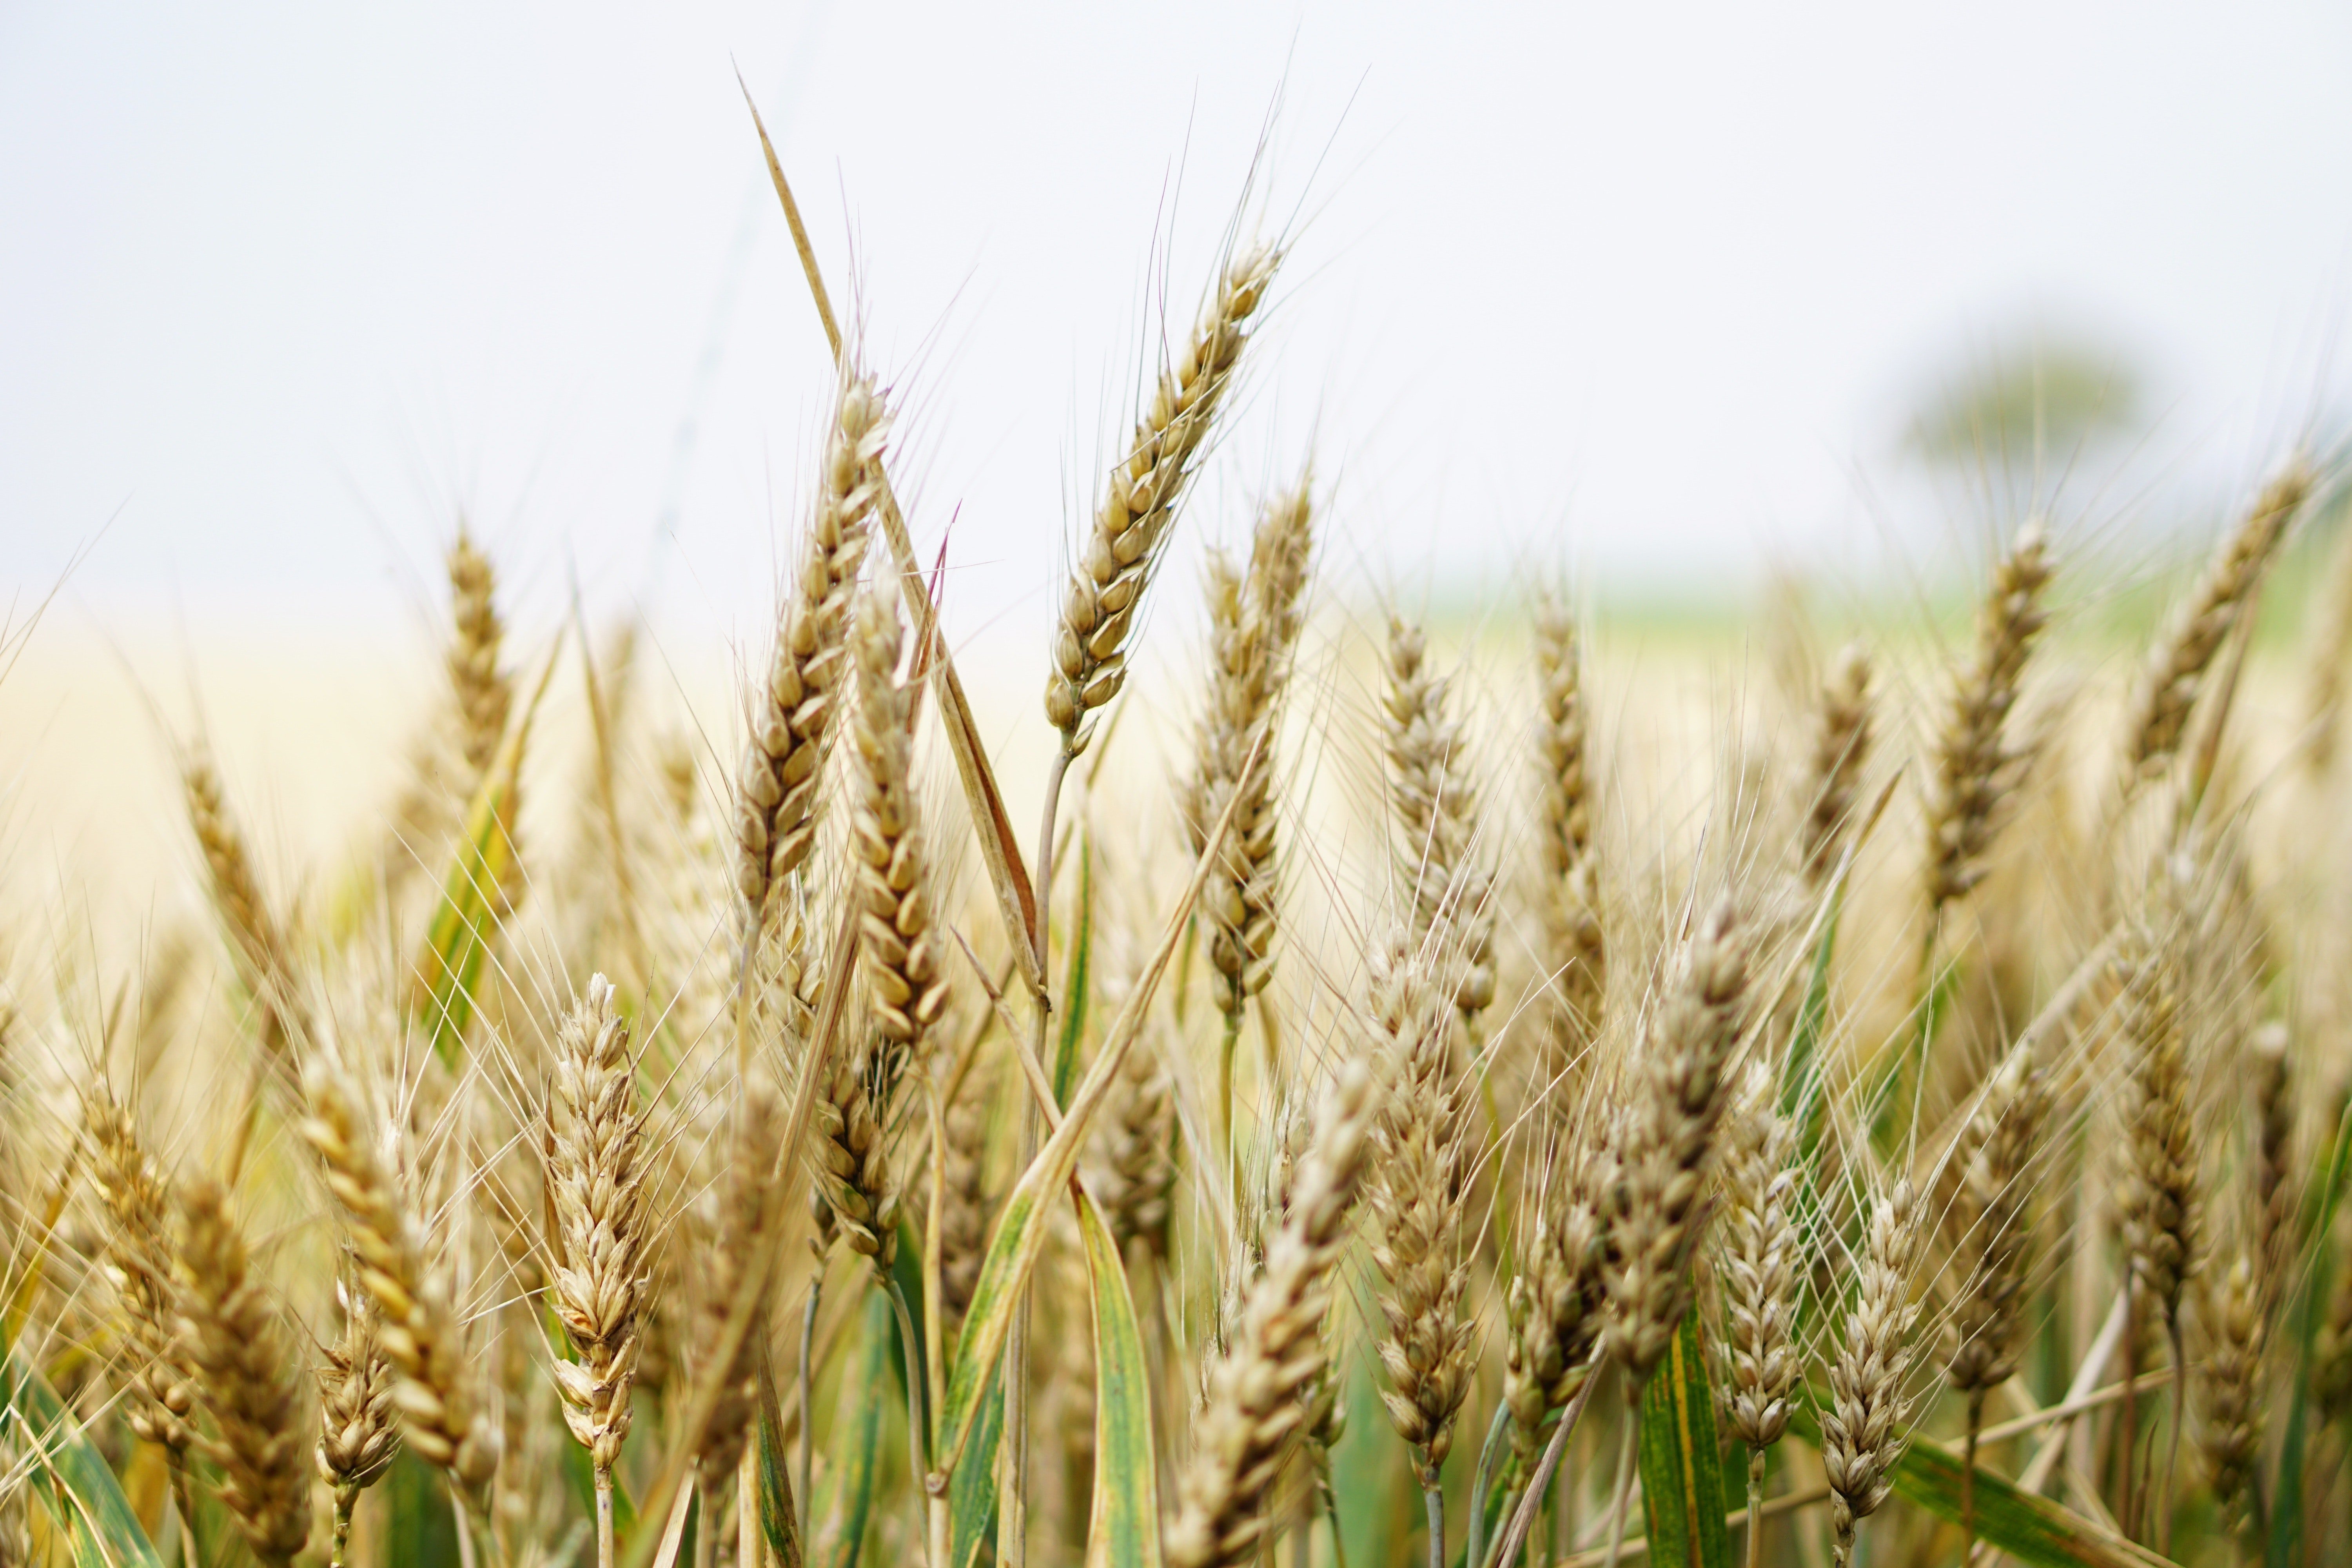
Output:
x=1424 y=1091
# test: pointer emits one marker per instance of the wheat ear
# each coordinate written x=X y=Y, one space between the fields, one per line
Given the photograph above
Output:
x=418 y=1328
x=1255 y=623
x=778 y=784
x=264 y=961
x=1254 y=1415
x=245 y=1372
x=2174 y=674
x=139 y=1264
x=1975 y=763
x=1418 y=1191
x=748 y=1210
x=357 y=1439
x=1139 y=500
x=1991 y=1219
x=1758 y=1251
x=1436 y=808
x=2231 y=1431
x=1841 y=736
x=1666 y=1147
x=2157 y=1195
x=484 y=693
x=1865 y=1429
x=600 y=1269
x=1553 y=1306
x=1571 y=906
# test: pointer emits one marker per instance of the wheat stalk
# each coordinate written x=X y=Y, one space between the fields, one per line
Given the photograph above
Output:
x=243 y=1371
x=1254 y=1415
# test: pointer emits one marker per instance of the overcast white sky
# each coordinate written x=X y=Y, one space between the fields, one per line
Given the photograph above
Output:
x=282 y=286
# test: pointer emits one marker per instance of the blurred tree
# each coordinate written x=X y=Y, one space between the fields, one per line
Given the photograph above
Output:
x=1990 y=409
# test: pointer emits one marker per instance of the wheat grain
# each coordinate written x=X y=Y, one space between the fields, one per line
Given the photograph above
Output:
x=1553 y=1306
x=357 y=1439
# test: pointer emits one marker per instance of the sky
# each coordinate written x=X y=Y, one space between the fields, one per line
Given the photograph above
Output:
x=1649 y=292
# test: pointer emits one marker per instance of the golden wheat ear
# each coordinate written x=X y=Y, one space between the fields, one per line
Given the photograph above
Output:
x=1253 y=1413
x=1867 y=1423
x=1577 y=953
x=245 y=1372
x=1140 y=500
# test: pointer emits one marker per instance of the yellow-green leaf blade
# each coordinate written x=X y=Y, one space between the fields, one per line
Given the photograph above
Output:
x=1020 y=1234
x=1681 y=1470
x=1123 y=1520
x=86 y=1498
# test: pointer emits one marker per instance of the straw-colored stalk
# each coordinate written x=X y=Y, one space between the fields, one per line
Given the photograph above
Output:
x=1254 y=1416
x=1576 y=955
x=2174 y=676
x=1436 y=809
x=1864 y=1430
x=1141 y=498
x=1841 y=749
x=419 y=1328
x=599 y=1262
x=777 y=786
x=244 y=1373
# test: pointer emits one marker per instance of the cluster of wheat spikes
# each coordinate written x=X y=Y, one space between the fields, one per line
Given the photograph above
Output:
x=739 y=1179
